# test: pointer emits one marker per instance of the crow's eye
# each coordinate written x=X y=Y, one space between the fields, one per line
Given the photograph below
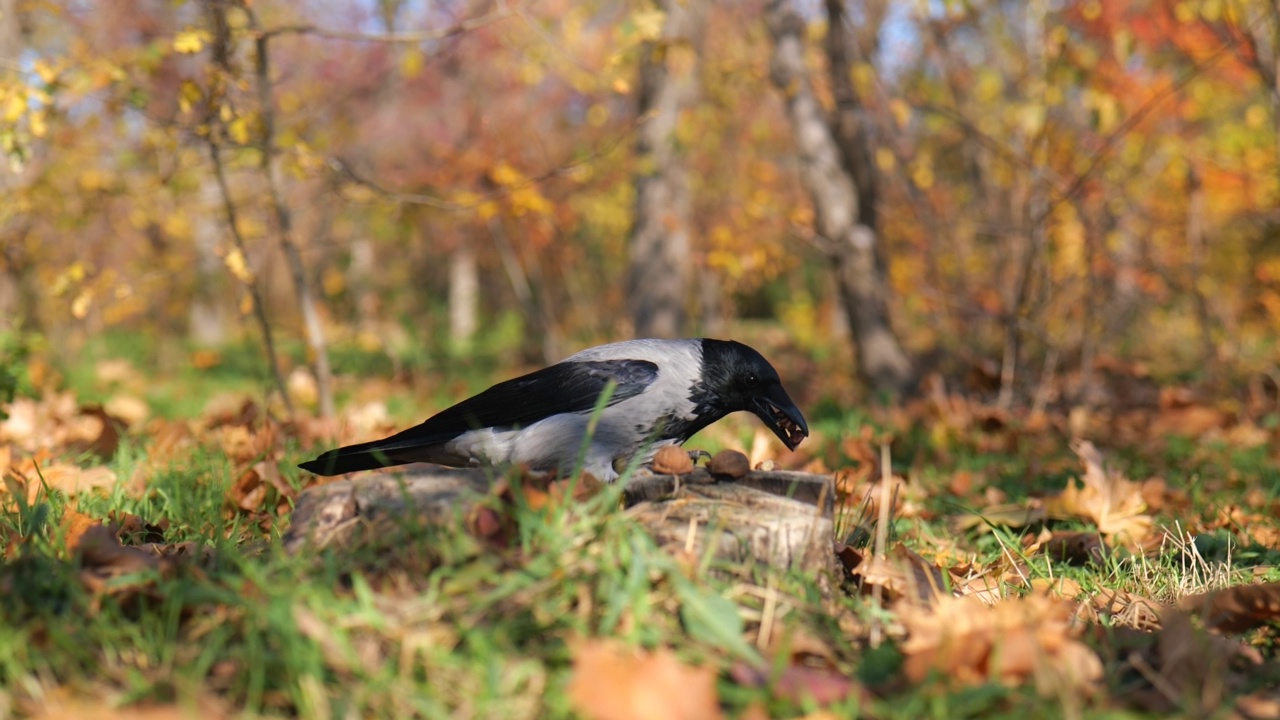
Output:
x=752 y=380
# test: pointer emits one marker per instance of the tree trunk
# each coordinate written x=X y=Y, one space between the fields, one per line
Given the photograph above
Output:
x=836 y=170
x=660 y=261
x=464 y=297
x=20 y=289
x=316 y=344
x=207 y=319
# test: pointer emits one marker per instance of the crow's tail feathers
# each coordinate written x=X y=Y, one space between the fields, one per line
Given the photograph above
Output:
x=366 y=456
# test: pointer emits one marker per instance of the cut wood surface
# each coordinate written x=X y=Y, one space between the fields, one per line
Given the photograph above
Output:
x=783 y=519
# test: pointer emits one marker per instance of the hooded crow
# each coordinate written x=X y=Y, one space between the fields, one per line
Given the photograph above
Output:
x=663 y=391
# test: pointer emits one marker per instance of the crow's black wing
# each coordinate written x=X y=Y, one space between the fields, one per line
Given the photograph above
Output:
x=566 y=387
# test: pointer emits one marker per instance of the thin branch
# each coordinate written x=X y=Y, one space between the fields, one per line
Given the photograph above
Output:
x=250 y=283
x=342 y=168
x=502 y=12
x=284 y=226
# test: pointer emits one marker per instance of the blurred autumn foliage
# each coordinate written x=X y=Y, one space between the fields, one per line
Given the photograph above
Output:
x=1060 y=188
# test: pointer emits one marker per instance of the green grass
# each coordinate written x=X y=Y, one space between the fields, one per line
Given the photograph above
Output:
x=432 y=622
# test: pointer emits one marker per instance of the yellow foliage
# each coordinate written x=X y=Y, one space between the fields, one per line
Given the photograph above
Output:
x=884 y=159
x=530 y=200
x=80 y=306
x=901 y=111
x=238 y=129
x=411 y=62
x=922 y=173
x=505 y=175
x=189 y=95
x=37 y=124
x=93 y=180
x=239 y=267
x=14 y=106
x=648 y=23
x=177 y=225
x=597 y=115
x=864 y=78
x=334 y=281
x=190 y=41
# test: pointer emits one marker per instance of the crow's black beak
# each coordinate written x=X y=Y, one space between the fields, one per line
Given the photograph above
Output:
x=782 y=416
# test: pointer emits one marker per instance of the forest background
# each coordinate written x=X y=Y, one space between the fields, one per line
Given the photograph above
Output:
x=1050 y=190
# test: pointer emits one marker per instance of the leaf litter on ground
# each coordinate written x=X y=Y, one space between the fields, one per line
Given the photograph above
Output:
x=1015 y=624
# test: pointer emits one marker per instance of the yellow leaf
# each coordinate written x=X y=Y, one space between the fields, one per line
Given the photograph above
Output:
x=901 y=111
x=333 y=282
x=1256 y=116
x=239 y=131
x=189 y=95
x=238 y=266
x=505 y=175
x=38 y=125
x=863 y=76
x=884 y=159
x=487 y=210
x=14 y=107
x=190 y=41
x=649 y=23
x=246 y=304
x=411 y=62
x=597 y=115
x=80 y=306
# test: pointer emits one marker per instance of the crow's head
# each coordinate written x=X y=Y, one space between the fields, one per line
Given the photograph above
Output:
x=736 y=377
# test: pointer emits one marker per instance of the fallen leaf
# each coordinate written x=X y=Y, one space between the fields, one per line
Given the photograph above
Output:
x=1236 y=609
x=801 y=683
x=74 y=525
x=903 y=574
x=1107 y=499
x=100 y=550
x=614 y=682
x=1016 y=640
x=1075 y=548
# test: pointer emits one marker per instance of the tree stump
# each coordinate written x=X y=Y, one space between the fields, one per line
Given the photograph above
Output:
x=782 y=519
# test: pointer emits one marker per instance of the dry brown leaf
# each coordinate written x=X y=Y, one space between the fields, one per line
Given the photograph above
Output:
x=614 y=682
x=1128 y=610
x=1236 y=609
x=55 y=706
x=132 y=410
x=801 y=683
x=61 y=476
x=1062 y=587
x=74 y=525
x=903 y=574
x=1260 y=705
x=1188 y=666
x=1109 y=500
x=101 y=551
x=1074 y=548
x=1015 y=641
x=1191 y=421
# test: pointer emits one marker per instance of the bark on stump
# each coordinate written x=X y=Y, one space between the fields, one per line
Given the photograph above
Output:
x=782 y=519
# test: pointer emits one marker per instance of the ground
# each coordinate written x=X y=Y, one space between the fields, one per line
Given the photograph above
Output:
x=1078 y=563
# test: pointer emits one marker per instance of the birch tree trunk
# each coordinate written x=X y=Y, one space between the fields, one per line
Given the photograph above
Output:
x=660 y=259
x=464 y=297
x=835 y=166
